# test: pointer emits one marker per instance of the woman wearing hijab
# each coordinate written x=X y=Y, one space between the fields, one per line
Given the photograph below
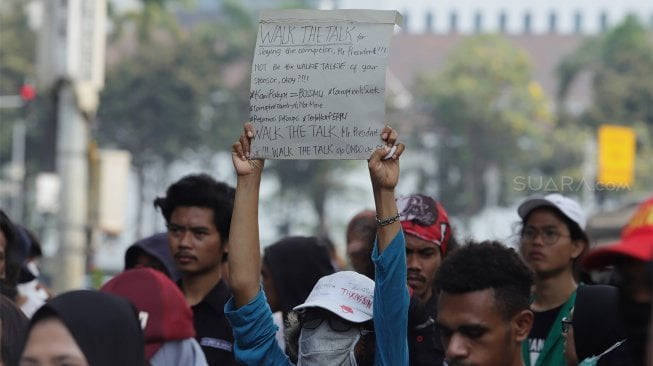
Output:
x=85 y=328
x=9 y=262
x=166 y=318
x=13 y=325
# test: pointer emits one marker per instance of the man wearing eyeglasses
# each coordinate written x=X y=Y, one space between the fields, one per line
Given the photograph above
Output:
x=197 y=210
x=552 y=239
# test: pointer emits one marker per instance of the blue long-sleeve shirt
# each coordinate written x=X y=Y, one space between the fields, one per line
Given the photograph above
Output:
x=254 y=330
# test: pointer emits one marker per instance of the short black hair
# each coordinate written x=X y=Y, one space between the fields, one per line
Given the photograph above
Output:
x=488 y=265
x=200 y=190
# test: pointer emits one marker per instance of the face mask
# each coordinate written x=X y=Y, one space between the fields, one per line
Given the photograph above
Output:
x=323 y=346
x=592 y=361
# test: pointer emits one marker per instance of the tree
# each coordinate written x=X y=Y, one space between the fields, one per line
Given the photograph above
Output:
x=489 y=115
x=309 y=180
x=149 y=21
x=17 y=63
x=620 y=63
x=17 y=67
x=171 y=93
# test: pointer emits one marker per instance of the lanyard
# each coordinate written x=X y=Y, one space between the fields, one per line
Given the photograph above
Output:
x=554 y=336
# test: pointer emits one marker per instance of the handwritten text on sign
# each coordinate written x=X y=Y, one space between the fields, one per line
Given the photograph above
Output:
x=318 y=83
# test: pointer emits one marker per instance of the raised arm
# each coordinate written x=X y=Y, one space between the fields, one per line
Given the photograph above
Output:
x=389 y=257
x=244 y=253
x=384 y=174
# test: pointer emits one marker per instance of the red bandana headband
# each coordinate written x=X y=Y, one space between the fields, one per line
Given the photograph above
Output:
x=425 y=218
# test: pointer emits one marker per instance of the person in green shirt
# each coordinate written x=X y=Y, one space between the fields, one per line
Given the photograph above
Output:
x=552 y=239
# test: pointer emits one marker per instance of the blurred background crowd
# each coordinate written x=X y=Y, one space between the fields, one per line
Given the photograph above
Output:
x=495 y=99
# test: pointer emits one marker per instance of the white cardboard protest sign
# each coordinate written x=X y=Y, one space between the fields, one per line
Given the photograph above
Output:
x=318 y=83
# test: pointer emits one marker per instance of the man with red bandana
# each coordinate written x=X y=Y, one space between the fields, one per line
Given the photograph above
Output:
x=428 y=240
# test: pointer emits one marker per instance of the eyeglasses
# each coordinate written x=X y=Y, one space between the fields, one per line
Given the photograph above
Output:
x=566 y=323
x=312 y=318
x=549 y=236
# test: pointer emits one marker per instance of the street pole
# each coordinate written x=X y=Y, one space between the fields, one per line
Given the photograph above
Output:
x=72 y=168
x=71 y=60
x=18 y=168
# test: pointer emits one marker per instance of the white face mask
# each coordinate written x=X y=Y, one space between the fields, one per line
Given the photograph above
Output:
x=323 y=346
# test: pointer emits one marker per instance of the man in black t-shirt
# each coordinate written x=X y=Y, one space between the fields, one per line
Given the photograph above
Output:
x=197 y=210
x=428 y=241
x=542 y=323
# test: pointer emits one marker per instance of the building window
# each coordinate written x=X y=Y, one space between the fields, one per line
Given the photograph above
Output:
x=553 y=20
x=478 y=22
x=503 y=22
x=453 y=22
x=527 y=23
x=603 y=21
x=578 y=22
x=429 y=22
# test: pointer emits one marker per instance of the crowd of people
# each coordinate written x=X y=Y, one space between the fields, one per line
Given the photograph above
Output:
x=204 y=293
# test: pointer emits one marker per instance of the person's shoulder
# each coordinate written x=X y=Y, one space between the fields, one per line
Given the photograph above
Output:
x=218 y=296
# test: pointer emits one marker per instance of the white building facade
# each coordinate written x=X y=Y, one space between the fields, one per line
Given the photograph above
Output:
x=507 y=16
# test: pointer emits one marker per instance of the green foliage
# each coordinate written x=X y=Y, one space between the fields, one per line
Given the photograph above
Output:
x=298 y=4
x=174 y=93
x=488 y=112
x=623 y=83
x=621 y=64
x=18 y=51
x=152 y=18
x=17 y=56
x=97 y=278
x=149 y=107
x=313 y=180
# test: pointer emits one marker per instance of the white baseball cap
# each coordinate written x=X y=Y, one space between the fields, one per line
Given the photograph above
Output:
x=347 y=294
x=567 y=206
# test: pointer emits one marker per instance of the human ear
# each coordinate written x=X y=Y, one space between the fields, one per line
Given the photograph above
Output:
x=521 y=324
x=578 y=248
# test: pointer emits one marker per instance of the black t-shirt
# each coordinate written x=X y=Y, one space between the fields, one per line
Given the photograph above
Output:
x=424 y=343
x=541 y=326
x=213 y=331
